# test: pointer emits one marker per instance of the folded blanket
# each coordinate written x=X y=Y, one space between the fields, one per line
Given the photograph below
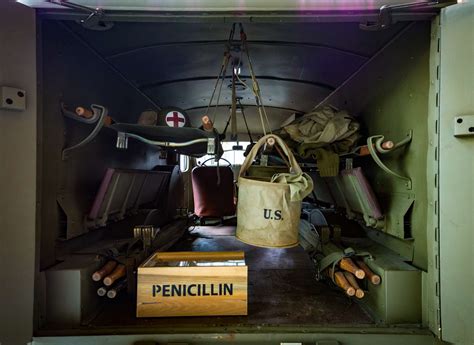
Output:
x=325 y=127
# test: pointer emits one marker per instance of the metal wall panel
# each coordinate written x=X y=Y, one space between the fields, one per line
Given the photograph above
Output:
x=18 y=157
x=456 y=179
x=75 y=75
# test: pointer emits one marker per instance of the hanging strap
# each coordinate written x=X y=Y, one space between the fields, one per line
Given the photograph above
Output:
x=255 y=86
x=233 y=113
x=222 y=73
x=224 y=64
x=245 y=121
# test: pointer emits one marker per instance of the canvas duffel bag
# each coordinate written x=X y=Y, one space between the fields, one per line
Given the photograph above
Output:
x=268 y=213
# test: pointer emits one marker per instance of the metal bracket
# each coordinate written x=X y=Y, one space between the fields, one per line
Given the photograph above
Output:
x=95 y=19
x=122 y=141
x=211 y=146
x=385 y=18
x=100 y=113
x=374 y=147
x=147 y=234
x=464 y=125
x=72 y=115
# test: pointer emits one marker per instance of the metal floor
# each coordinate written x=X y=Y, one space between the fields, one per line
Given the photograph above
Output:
x=282 y=292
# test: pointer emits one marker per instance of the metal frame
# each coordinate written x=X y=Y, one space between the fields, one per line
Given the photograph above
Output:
x=229 y=17
x=122 y=142
x=100 y=113
x=296 y=335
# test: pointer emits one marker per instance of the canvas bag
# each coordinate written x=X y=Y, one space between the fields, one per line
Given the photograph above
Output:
x=268 y=213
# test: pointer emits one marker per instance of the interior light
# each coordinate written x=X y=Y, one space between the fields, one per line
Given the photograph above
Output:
x=237 y=70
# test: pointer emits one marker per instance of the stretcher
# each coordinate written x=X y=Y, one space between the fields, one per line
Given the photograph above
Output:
x=183 y=140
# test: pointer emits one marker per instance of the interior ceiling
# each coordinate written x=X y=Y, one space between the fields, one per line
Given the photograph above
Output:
x=297 y=64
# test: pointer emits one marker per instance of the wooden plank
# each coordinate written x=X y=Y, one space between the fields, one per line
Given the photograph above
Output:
x=192 y=256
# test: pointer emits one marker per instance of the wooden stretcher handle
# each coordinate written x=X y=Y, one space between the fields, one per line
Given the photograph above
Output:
x=342 y=282
x=117 y=273
x=102 y=291
x=387 y=145
x=210 y=256
x=373 y=278
x=207 y=123
x=104 y=271
x=348 y=265
x=359 y=293
x=84 y=112
x=87 y=114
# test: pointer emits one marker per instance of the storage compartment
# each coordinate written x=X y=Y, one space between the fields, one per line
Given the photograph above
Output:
x=122 y=198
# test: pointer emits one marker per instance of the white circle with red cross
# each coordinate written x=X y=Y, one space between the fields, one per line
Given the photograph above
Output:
x=175 y=119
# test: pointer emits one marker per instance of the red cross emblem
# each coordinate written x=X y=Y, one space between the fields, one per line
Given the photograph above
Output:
x=175 y=119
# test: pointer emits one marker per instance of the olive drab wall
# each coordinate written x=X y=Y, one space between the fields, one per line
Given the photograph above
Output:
x=456 y=174
x=17 y=174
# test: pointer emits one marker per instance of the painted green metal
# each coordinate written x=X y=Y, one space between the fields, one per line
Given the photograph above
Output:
x=391 y=96
x=398 y=298
x=410 y=337
x=456 y=175
x=401 y=105
x=430 y=278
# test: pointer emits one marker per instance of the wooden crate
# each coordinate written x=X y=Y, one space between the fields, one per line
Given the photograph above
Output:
x=192 y=284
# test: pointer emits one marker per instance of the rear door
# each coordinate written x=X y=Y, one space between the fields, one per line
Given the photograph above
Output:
x=456 y=173
x=219 y=5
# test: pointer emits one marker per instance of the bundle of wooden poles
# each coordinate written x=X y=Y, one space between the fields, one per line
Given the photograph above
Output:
x=114 y=279
x=349 y=272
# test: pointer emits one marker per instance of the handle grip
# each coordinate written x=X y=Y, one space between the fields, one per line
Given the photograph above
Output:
x=104 y=271
x=373 y=278
x=348 y=265
x=118 y=273
x=342 y=282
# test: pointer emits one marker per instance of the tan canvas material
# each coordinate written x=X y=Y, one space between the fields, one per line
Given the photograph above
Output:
x=268 y=213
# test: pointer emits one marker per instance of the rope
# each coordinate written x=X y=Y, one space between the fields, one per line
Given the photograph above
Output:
x=233 y=114
x=219 y=93
x=255 y=86
x=245 y=120
x=223 y=65
x=222 y=72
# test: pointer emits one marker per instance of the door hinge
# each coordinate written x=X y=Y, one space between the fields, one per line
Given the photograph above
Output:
x=438 y=320
x=385 y=18
x=94 y=21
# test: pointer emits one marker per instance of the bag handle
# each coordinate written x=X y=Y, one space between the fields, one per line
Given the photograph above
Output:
x=294 y=166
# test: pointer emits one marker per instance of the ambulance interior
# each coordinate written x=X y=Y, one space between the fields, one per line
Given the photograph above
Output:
x=118 y=183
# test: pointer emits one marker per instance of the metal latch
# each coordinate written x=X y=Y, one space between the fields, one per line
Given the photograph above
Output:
x=211 y=146
x=122 y=141
x=464 y=125
x=385 y=18
x=147 y=234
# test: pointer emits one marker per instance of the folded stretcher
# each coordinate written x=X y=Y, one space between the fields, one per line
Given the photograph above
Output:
x=184 y=140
